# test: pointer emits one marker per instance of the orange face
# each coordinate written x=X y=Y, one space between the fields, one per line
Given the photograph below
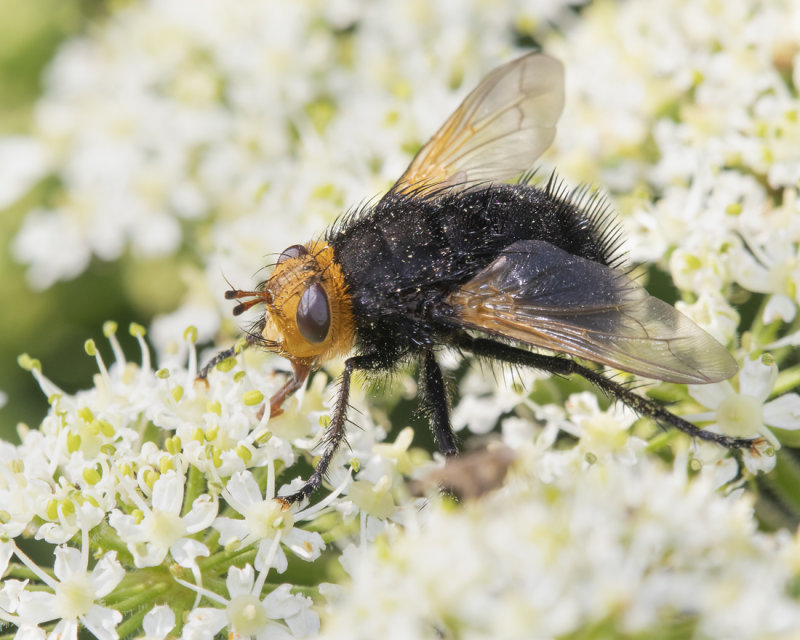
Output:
x=308 y=316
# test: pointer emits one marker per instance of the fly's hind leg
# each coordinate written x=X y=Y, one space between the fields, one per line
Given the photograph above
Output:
x=335 y=434
x=434 y=402
x=564 y=366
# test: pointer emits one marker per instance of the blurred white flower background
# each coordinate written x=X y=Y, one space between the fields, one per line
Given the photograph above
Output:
x=153 y=151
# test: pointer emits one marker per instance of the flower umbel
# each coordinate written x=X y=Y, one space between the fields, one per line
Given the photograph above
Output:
x=148 y=484
x=747 y=412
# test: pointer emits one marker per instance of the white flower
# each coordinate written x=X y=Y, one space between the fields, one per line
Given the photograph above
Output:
x=162 y=529
x=619 y=546
x=22 y=162
x=604 y=433
x=771 y=267
x=486 y=397
x=268 y=519
x=249 y=615
x=746 y=412
x=75 y=592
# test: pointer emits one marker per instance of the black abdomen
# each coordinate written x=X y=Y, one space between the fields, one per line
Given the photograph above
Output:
x=408 y=252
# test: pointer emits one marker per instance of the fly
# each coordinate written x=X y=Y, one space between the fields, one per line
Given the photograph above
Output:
x=454 y=256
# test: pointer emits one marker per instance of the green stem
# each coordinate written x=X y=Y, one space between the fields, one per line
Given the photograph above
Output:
x=757 y=329
x=21 y=572
x=227 y=558
x=106 y=538
x=661 y=440
x=133 y=624
x=150 y=595
x=195 y=486
x=787 y=380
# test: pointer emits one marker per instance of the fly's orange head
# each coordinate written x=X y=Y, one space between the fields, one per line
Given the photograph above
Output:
x=308 y=317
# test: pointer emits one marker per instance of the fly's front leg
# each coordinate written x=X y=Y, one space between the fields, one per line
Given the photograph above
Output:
x=336 y=429
x=434 y=402
x=219 y=357
x=224 y=355
x=299 y=375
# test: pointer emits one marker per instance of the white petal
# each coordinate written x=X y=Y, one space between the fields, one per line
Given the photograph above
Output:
x=230 y=529
x=761 y=462
x=240 y=581
x=37 y=606
x=107 y=574
x=168 y=493
x=52 y=244
x=757 y=378
x=6 y=549
x=711 y=395
x=64 y=630
x=293 y=608
x=159 y=621
x=102 y=622
x=308 y=545
x=244 y=490
x=779 y=307
x=749 y=273
x=30 y=632
x=281 y=603
x=54 y=533
x=204 y=623
x=783 y=412
x=68 y=562
x=275 y=631
x=202 y=514
x=279 y=562
x=147 y=554
x=792 y=340
x=10 y=592
x=127 y=528
x=304 y=624
x=185 y=550
x=23 y=161
x=722 y=472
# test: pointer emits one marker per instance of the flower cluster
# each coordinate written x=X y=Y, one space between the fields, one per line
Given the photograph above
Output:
x=693 y=119
x=148 y=487
x=566 y=547
x=156 y=474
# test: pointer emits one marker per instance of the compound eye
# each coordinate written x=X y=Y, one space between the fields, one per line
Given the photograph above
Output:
x=314 y=314
x=295 y=251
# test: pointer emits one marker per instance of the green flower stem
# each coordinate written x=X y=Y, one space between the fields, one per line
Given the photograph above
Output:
x=758 y=329
x=661 y=440
x=146 y=596
x=138 y=582
x=787 y=380
x=21 y=572
x=225 y=559
x=195 y=486
x=786 y=478
x=133 y=624
x=108 y=540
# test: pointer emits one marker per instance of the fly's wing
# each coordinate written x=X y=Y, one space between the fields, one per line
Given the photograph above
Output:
x=543 y=296
x=499 y=130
